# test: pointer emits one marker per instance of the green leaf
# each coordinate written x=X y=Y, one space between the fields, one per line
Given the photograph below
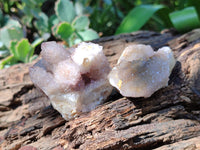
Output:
x=12 y=48
x=32 y=7
x=30 y=55
x=81 y=23
x=9 y=22
x=53 y=30
x=137 y=17
x=22 y=49
x=74 y=39
x=12 y=23
x=70 y=41
x=88 y=35
x=77 y=41
x=9 y=34
x=65 y=10
x=4 y=52
x=26 y=10
x=79 y=8
x=43 y=26
x=26 y=20
x=10 y=60
x=64 y=30
x=42 y=23
x=53 y=20
x=37 y=42
x=185 y=19
x=28 y=3
x=35 y=12
x=33 y=58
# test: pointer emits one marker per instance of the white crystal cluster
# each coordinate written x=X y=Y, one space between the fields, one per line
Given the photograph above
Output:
x=75 y=80
x=140 y=71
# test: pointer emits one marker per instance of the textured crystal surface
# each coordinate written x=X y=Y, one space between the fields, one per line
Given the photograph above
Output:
x=75 y=80
x=140 y=71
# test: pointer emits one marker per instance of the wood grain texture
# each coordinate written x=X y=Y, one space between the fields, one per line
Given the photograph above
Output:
x=169 y=119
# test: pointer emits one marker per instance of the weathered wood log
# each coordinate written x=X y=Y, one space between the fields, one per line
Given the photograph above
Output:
x=169 y=119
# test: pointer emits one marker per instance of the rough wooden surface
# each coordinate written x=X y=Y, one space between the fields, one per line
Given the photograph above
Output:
x=169 y=119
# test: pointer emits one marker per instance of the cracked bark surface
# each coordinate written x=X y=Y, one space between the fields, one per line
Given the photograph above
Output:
x=169 y=119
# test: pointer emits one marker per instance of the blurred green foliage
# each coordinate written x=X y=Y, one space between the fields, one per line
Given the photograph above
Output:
x=71 y=28
x=159 y=17
x=24 y=24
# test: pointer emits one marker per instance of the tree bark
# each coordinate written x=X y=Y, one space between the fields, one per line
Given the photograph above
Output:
x=169 y=119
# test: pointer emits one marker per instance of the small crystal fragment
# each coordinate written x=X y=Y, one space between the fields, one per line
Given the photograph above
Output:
x=75 y=80
x=140 y=71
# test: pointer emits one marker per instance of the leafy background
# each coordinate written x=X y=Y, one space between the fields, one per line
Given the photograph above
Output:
x=25 y=24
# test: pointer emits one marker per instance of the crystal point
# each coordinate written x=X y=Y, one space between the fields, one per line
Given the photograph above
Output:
x=75 y=80
x=140 y=71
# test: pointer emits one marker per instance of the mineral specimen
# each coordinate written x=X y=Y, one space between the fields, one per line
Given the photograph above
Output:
x=140 y=71
x=75 y=80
